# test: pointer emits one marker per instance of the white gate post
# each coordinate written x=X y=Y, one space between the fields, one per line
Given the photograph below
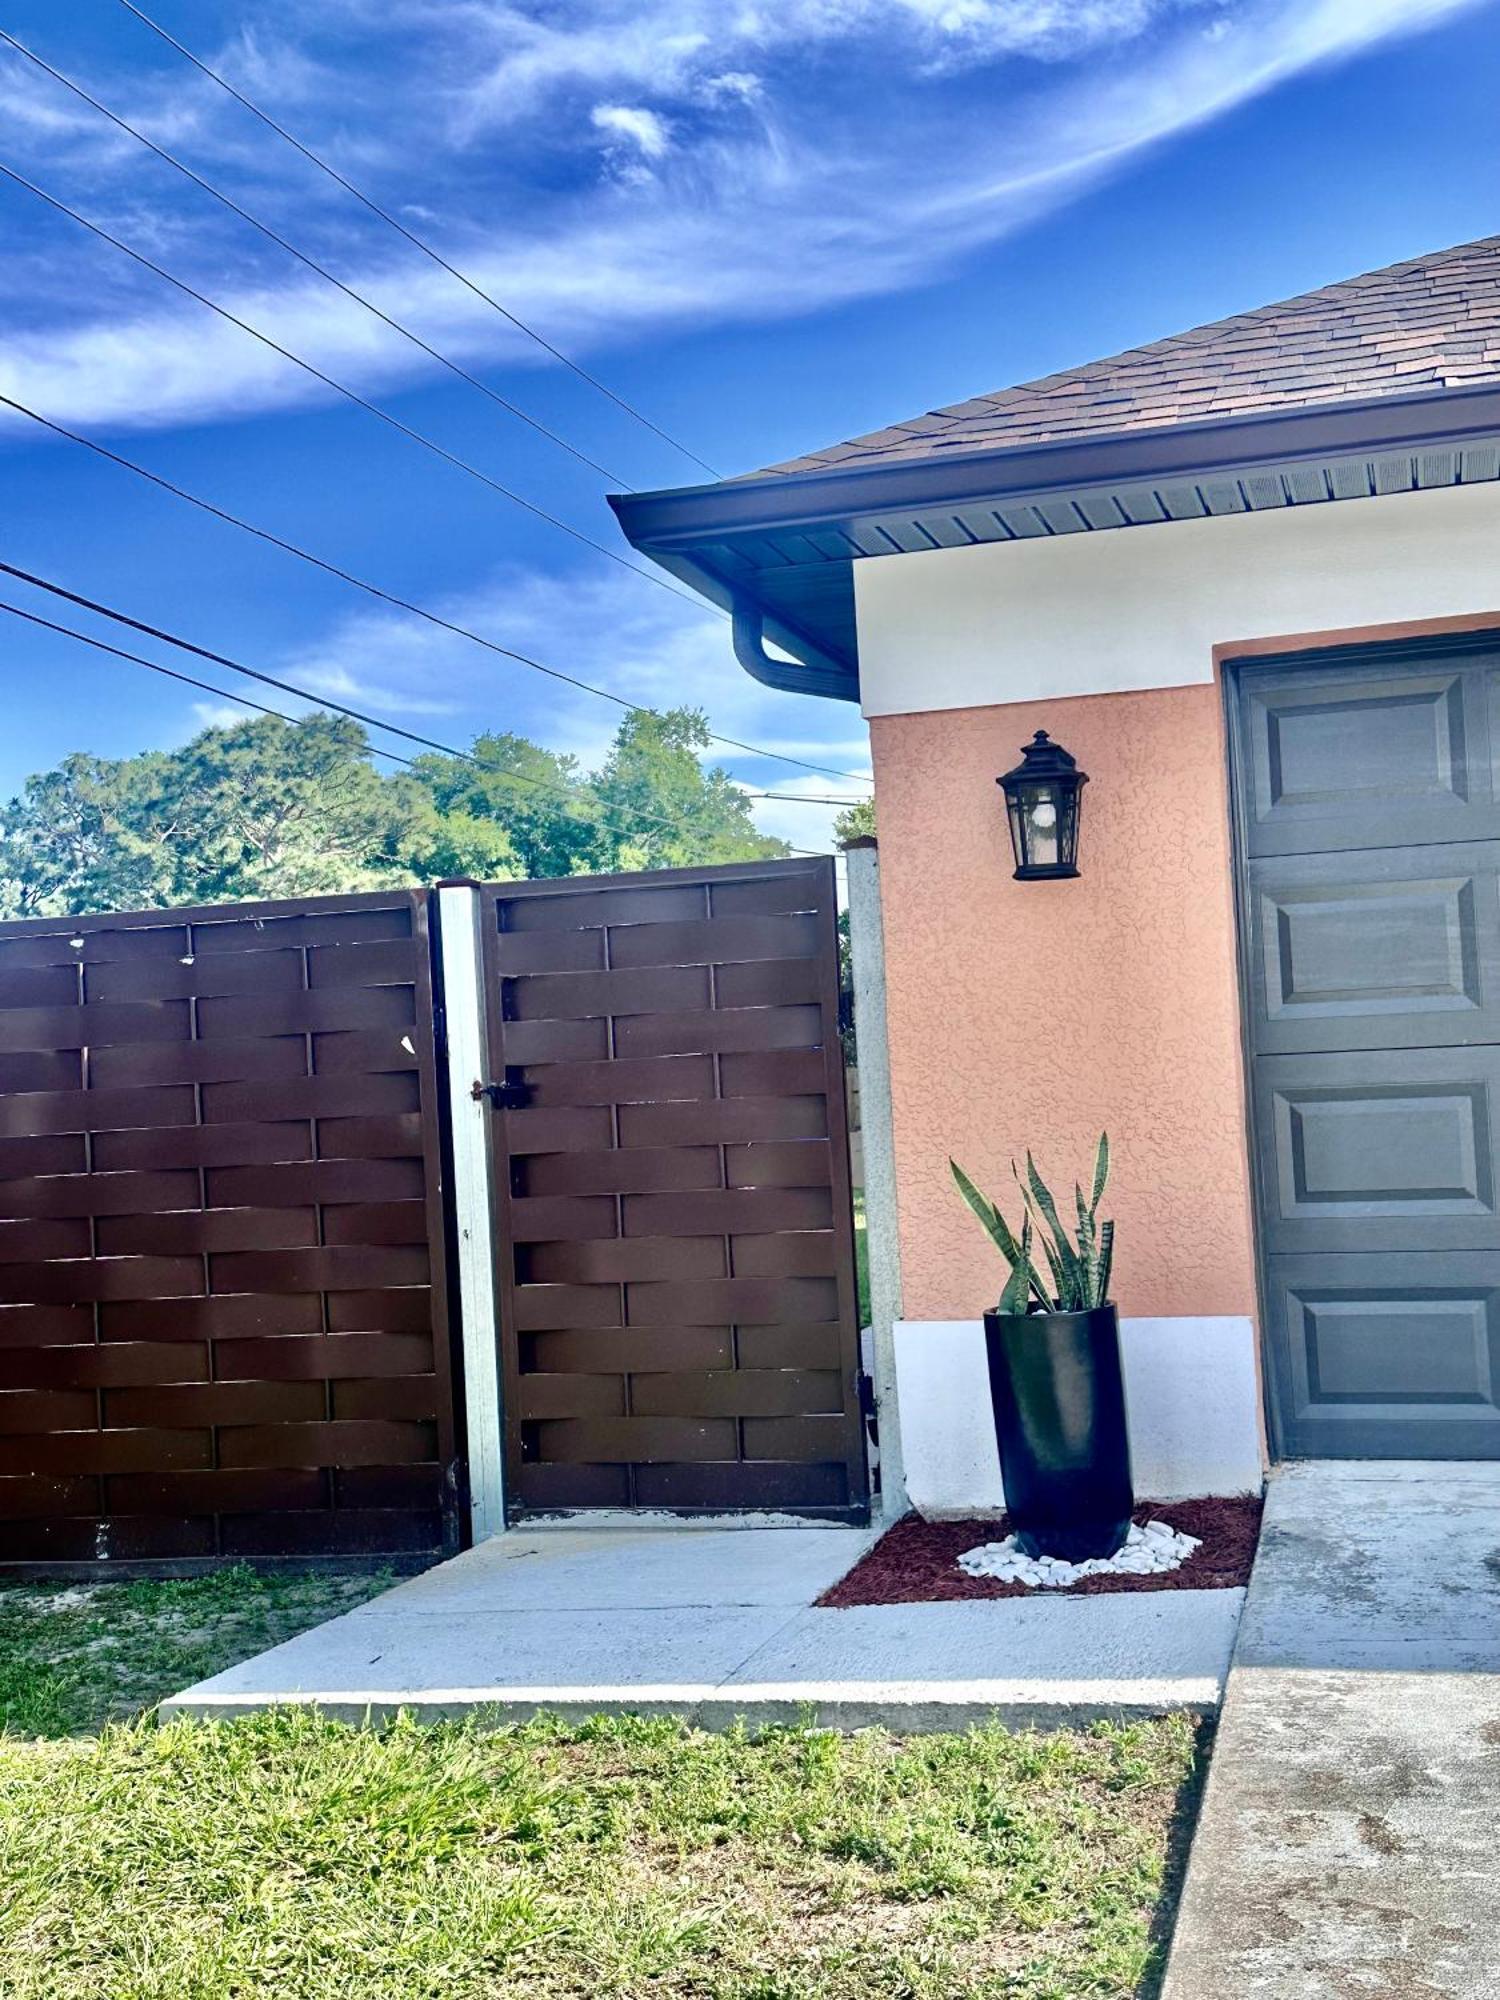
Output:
x=463 y=1005
x=867 y=950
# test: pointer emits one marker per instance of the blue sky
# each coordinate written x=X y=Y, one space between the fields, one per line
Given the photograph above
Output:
x=769 y=226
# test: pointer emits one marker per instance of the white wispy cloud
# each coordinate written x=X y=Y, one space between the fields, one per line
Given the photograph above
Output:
x=671 y=43
x=602 y=629
x=646 y=130
x=859 y=193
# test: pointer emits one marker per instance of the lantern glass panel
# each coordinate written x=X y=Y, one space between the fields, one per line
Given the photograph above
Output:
x=1041 y=826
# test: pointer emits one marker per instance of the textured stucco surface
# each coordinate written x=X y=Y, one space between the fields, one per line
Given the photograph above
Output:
x=1037 y=1013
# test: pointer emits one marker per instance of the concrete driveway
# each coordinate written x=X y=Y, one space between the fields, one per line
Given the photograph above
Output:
x=1349 y=1843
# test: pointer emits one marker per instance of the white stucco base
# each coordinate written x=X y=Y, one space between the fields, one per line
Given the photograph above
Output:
x=1192 y=1388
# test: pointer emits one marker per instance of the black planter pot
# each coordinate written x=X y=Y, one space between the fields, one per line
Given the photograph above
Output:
x=1059 y=1404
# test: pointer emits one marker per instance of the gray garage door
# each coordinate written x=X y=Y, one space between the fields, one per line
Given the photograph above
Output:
x=1368 y=794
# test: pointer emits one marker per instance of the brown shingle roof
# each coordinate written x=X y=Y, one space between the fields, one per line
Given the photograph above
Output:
x=1433 y=322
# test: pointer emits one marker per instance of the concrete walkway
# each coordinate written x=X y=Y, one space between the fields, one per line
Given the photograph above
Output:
x=718 y=1623
x=1349 y=1843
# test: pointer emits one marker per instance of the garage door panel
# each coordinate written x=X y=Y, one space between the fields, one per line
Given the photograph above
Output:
x=1337 y=757
x=1388 y=948
x=1369 y=832
x=1379 y=1150
x=1386 y=1355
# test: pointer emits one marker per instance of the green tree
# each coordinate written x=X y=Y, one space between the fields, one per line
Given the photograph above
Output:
x=519 y=811
x=267 y=808
x=653 y=774
x=856 y=822
x=86 y=836
x=264 y=808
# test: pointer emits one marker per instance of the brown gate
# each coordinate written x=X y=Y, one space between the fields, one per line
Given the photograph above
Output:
x=221 y=1328
x=678 y=1302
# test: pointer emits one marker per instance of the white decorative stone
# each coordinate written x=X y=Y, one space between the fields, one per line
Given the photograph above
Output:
x=1148 y=1551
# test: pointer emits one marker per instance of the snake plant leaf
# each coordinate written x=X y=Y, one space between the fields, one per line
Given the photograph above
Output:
x=1088 y=1248
x=1039 y=1196
x=994 y=1222
x=1044 y=1298
x=1079 y=1275
x=1060 y=1283
x=1106 y=1259
x=1017 y=1293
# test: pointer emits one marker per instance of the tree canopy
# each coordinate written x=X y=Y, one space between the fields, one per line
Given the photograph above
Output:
x=266 y=808
x=856 y=822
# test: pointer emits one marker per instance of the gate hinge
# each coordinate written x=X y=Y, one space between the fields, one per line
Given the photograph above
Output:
x=502 y=1096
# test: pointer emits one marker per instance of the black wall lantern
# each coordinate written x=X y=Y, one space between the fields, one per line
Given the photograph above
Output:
x=1042 y=798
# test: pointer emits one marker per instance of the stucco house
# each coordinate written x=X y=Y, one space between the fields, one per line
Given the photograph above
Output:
x=1249 y=576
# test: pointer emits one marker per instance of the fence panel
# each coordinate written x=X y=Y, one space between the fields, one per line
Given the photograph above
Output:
x=222 y=1329
x=676 y=1260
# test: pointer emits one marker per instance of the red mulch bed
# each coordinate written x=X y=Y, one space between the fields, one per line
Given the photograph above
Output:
x=916 y=1562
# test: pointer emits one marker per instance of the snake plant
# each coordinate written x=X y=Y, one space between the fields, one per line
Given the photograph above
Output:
x=1076 y=1274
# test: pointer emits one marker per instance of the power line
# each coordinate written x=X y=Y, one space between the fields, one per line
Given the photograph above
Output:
x=803 y=798
x=373 y=409
x=280 y=714
x=390 y=597
x=304 y=694
x=417 y=242
x=172 y=674
x=274 y=236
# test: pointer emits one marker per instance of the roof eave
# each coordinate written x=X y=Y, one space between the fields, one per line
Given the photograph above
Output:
x=677 y=527
x=686 y=513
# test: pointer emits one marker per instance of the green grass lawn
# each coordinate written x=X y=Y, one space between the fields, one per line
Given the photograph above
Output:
x=74 y=1659
x=301 y=1859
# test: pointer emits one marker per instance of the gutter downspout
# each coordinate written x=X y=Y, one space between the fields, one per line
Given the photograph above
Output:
x=820 y=674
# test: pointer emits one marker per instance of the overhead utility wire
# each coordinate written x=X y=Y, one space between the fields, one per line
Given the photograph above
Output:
x=390 y=597
x=260 y=708
x=340 y=388
x=349 y=291
x=417 y=242
x=306 y=694
x=172 y=674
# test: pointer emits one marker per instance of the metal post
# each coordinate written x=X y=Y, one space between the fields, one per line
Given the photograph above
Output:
x=463 y=1002
x=867 y=949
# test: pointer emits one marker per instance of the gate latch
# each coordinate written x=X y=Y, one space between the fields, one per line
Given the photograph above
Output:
x=502 y=1096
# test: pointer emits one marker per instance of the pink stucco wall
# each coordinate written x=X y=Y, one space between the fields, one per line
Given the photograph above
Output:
x=1035 y=1013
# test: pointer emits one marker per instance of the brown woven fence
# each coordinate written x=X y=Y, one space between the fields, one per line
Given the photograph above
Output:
x=222 y=1331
